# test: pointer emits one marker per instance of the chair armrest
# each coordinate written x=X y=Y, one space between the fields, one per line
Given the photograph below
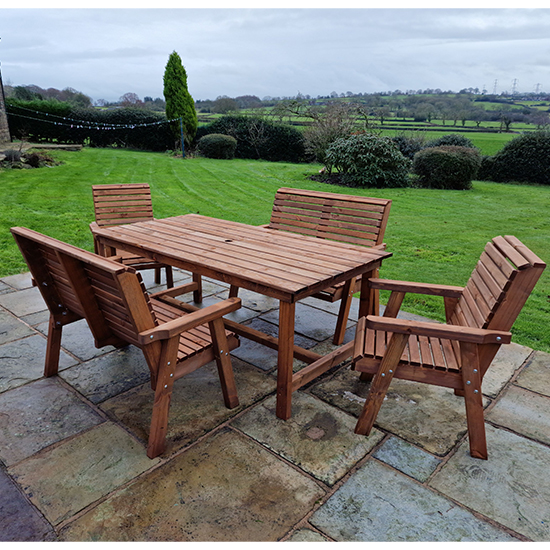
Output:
x=438 y=330
x=417 y=288
x=187 y=322
x=175 y=291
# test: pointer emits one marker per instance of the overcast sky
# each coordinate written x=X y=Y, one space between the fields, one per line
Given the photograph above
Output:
x=106 y=53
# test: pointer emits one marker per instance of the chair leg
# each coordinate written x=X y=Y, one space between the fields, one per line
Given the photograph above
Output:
x=53 y=348
x=197 y=294
x=157 y=275
x=233 y=291
x=163 y=395
x=169 y=277
x=473 y=400
x=381 y=383
x=343 y=313
x=225 y=370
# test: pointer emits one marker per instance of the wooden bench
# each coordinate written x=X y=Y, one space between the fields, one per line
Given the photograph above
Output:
x=117 y=204
x=337 y=217
x=77 y=284
x=456 y=354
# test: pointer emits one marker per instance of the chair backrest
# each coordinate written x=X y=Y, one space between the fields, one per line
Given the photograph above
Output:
x=344 y=218
x=499 y=285
x=122 y=203
x=79 y=284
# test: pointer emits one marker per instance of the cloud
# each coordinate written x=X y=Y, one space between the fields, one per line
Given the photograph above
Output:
x=278 y=52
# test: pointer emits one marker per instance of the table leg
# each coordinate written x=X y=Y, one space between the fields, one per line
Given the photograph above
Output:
x=287 y=313
x=366 y=300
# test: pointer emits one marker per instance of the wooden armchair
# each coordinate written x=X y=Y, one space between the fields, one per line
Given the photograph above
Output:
x=456 y=354
x=343 y=218
x=77 y=284
x=118 y=204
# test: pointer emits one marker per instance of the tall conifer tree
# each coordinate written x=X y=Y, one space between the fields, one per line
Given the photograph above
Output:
x=179 y=103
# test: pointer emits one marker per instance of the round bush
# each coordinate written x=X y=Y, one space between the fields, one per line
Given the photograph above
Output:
x=524 y=159
x=217 y=146
x=451 y=139
x=258 y=138
x=367 y=160
x=446 y=167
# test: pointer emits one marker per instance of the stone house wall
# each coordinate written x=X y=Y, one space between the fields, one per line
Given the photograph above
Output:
x=4 y=128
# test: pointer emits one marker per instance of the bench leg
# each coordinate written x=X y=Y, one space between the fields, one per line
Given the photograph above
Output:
x=343 y=313
x=53 y=348
x=163 y=395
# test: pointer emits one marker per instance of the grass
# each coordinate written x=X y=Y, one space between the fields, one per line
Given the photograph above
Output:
x=435 y=236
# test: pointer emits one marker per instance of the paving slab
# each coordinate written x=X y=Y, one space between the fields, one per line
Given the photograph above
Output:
x=317 y=438
x=379 y=504
x=512 y=487
x=307 y=535
x=64 y=479
x=261 y=356
x=77 y=339
x=257 y=302
x=524 y=412
x=407 y=458
x=39 y=414
x=196 y=406
x=507 y=361
x=23 y=302
x=427 y=416
x=109 y=374
x=23 y=361
x=12 y=328
x=310 y=322
x=19 y=520
x=225 y=488
x=536 y=374
x=18 y=281
x=5 y=289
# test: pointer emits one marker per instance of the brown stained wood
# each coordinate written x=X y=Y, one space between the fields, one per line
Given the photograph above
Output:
x=163 y=394
x=114 y=302
x=380 y=384
x=117 y=204
x=284 y=360
x=457 y=354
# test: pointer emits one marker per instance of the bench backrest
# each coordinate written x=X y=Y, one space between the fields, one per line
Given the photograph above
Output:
x=122 y=203
x=344 y=218
x=499 y=285
x=78 y=284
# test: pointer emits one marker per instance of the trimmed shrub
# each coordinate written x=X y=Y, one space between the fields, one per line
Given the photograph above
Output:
x=258 y=138
x=524 y=159
x=368 y=160
x=217 y=146
x=446 y=167
x=408 y=146
x=451 y=139
x=55 y=121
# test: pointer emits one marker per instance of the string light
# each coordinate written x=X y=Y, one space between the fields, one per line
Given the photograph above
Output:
x=88 y=125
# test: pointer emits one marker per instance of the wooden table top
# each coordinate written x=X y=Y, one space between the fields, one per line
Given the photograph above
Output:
x=283 y=265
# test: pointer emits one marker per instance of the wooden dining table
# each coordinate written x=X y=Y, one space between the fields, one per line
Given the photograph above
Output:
x=283 y=265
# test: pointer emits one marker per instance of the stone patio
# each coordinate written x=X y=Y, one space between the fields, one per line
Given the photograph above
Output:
x=72 y=447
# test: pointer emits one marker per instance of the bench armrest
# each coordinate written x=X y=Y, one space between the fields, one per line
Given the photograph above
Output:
x=438 y=330
x=187 y=322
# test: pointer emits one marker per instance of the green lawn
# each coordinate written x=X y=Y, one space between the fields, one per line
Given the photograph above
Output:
x=435 y=236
